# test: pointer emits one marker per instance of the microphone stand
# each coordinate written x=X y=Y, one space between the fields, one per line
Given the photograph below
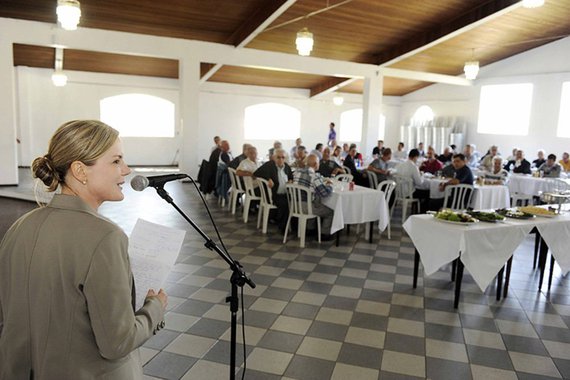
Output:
x=238 y=278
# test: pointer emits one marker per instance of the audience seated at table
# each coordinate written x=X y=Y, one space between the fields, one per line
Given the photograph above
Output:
x=345 y=150
x=277 y=172
x=565 y=162
x=409 y=169
x=448 y=171
x=236 y=161
x=513 y=156
x=519 y=165
x=497 y=175
x=337 y=155
x=248 y=166
x=301 y=155
x=318 y=151
x=471 y=156
x=349 y=161
x=447 y=155
x=463 y=175
x=380 y=166
x=221 y=154
x=487 y=160
x=431 y=164
x=400 y=154
x=421 y=149
x=378 y=149
x=276 y=145
x=540 y=159
x=322 y=188
x=328 y=167
x=293 y=152
x=550 y=168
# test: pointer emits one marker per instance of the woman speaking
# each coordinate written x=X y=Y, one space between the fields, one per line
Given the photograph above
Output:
x=66 y=287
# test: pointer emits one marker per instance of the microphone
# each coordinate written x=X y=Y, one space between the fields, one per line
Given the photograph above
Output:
x=139 y=182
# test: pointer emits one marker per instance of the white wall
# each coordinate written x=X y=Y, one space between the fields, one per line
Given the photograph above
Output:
x=546 y=67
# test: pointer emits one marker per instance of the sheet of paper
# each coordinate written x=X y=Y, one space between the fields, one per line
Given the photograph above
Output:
x=153 y=250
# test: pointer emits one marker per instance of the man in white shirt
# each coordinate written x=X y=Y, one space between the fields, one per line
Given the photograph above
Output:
x=293 y=152
x=409 y=169
x=400 y=154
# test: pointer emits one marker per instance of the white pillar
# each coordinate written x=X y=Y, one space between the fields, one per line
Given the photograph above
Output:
x=189 y=108
x=8 y=145
x=371 y=111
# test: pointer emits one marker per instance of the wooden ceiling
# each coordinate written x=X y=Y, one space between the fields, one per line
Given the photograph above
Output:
x=366 y=31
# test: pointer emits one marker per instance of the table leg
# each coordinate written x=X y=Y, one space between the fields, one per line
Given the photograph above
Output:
x=453 y=267
x=508 y=277
x=348 y=229
x=551 y=270
x=536 y=247
x=543 y=252
x=337 y=237
x=458 y=280
x=416 y=267
x=500 y=282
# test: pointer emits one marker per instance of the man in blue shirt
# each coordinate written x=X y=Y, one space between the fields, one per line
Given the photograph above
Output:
x=463 y=174
x=332 y=135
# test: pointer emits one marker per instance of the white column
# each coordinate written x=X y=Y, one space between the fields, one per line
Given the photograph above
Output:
x=371 y=111
x=8 y=145
x=189 y=108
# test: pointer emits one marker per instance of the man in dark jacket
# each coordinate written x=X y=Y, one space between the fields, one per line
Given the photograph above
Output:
x=278 y=173
x=519 y=164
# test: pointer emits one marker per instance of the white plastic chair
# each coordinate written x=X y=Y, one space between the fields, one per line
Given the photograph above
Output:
x=295 y=195
x=344 y=178
x=266 y=204
x=387 y=187
x=404 y=194
x=459 y=195
x=249 y=197
x=236 y=191
x=347 y=170
x=372 y=179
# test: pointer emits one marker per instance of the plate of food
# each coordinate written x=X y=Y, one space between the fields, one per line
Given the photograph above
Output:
x=514 y=213
x=538 y=211
x=487 y=216
x=449 y=216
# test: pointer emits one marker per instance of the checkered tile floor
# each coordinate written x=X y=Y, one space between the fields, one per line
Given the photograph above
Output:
x=347 y=312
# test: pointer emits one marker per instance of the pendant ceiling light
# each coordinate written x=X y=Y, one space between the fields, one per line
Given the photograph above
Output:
x=532 y=3
x=68 y=13
x=471 y=69
x=304 y=42
x=58 y=78
x=338 y=100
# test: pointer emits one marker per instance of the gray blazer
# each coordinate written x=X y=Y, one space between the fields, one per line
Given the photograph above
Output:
x=66 y=298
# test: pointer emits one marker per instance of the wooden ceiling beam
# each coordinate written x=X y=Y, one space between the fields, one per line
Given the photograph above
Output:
x=330 y=85
x=254 y=25
x=461 y=24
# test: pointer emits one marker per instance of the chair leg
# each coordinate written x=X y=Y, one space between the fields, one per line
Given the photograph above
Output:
x=319 y=228
x=302 y=231
x=265 y=219
x=404 y=210
x=259 y=212
x=287 y=229
x=389 y=228
x=246 y=209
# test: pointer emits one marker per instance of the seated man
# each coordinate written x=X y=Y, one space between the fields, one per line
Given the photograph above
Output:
x=550 y=168
x=301 y=156
x=400 y=154
x=463 y=174
x=328 y=167
x=565 y=162
x=359 y=178
x=497 y=175
x=448 y=171
x=293 y=153
x=276 y=145
x=248 y=166
x=447 y=155
x=309 y=177
x=487 y=161
x=236 y=161
x=410 y=170
x=318 y=151
x=277 y=172
x=380 y=165
x=519 y=164
x=539 y=160
x=377 y=151
x=431 y=164
x=471 y=156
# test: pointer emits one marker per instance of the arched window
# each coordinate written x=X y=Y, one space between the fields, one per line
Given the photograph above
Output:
x=504 y=109
x=564 y=115
x=139 y=115
x=351 y=126
x=423 y=115
x=270 y=121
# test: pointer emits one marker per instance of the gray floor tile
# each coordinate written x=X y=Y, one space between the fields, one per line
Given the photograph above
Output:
x=161 y=339
x=301 y=310
x=563 y=366
x=447 y=369
x=443 y=332
x=169 y=366
x=306 y=368
x=325 y=330
x=194 y=307
x=279 y=293
x=316 y=287
x=361 y=356
x=404 y=312
x=489 y=357
x=404 y=343
x=523 y=344
x=340 y=303
x=210 y=328
x=478 y=323
x=368 y=321
x=259 y=318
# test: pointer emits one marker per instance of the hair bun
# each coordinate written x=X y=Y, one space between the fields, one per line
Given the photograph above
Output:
x=43 y=169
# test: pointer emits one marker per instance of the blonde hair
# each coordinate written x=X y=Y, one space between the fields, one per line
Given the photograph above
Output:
x=77 y=140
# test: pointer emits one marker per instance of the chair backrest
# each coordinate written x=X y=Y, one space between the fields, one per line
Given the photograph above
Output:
x=557 y=184
x=347 y=170
x=344 y=177
x=249 y=189
x=266 y=194
x=234 y=179
x=372 y=179
x=295 y=195
x=404 y=187
x=387 y=187
x=458 y=197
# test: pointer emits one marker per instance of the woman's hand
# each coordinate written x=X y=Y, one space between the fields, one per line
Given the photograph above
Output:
x=162 y=296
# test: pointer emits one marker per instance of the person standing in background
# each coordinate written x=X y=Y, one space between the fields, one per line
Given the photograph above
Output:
x=332 y=135
x=67 y=306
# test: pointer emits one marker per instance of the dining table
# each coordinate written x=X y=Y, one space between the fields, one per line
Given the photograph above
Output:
x=485 y=197
x=483 y=248
x=535 y=186
x=359 y=205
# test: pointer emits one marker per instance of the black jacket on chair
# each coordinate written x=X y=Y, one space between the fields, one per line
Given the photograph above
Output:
x=269 y=171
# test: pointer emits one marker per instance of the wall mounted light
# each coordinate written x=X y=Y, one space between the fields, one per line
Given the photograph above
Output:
x=338 y=100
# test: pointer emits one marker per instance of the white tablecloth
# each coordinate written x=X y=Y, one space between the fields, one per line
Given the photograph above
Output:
x=358 y=206
x=485 y=197
x=526 y=184
x=484 y=247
